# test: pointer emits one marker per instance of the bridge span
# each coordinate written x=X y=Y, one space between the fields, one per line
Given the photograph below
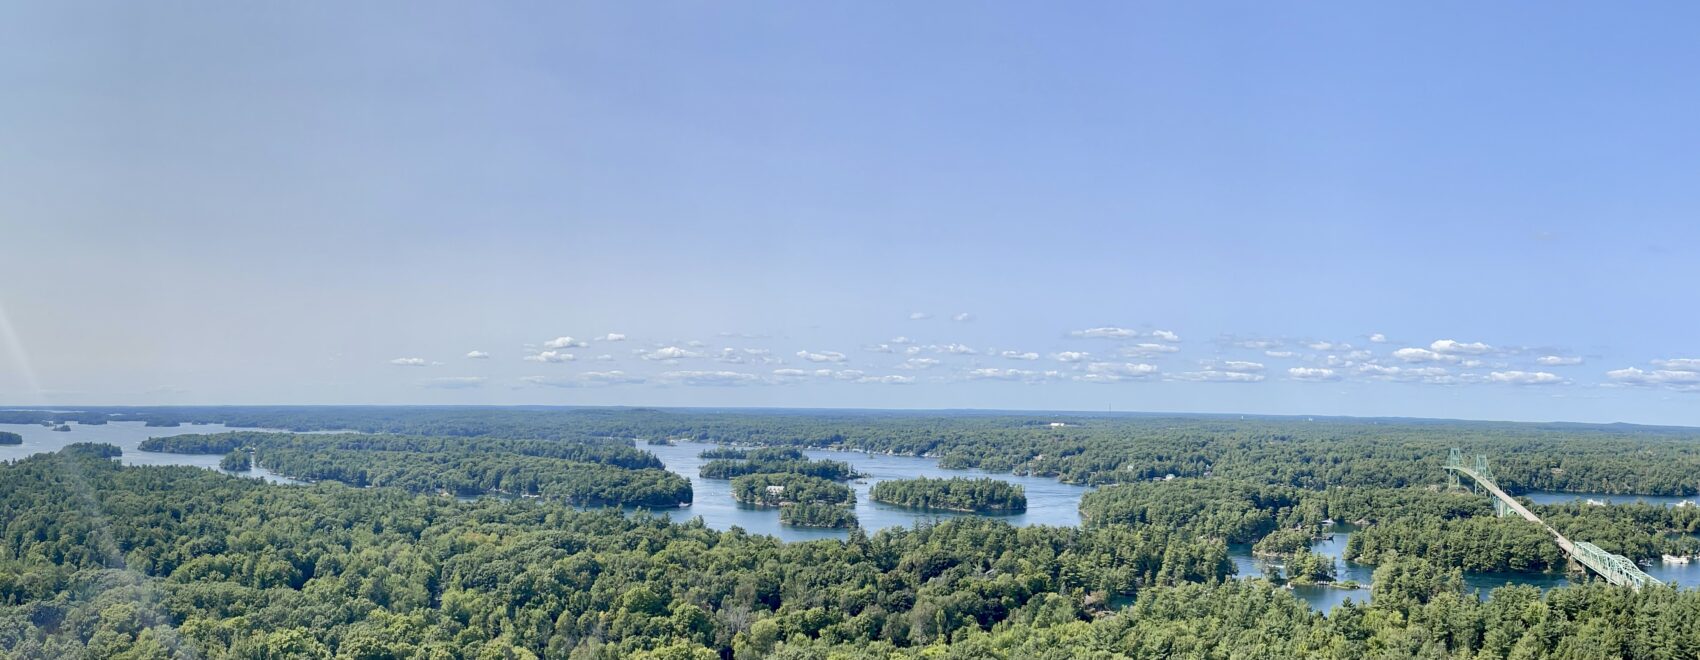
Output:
x=1617 y=569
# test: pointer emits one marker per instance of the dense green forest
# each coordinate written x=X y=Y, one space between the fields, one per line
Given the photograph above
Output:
x=952 y=494
x=10 y=438
x=179 y=561
x=98 y=560
x=177 y=557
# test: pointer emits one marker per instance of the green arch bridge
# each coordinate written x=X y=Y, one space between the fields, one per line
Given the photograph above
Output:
x=1617 y=569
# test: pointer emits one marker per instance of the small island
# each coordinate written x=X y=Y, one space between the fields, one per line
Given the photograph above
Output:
x=952 y=494
x=10 y=438
x=772 y=460
x=784 y=488
x=1292 y=547
x=95 y=449
x=1283 y=543
x=818 y=515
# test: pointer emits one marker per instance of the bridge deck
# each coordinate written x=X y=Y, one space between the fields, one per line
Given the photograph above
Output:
x=1615 y=569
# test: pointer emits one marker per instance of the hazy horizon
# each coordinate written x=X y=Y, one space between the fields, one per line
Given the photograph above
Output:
x=848 y=409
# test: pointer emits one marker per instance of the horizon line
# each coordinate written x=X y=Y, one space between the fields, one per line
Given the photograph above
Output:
x=1023 y=411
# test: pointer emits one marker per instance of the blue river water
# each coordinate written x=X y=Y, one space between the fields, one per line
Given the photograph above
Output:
x=127 y=436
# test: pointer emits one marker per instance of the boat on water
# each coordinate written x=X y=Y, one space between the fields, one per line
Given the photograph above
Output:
x=1675 y=559
x=1594 y=502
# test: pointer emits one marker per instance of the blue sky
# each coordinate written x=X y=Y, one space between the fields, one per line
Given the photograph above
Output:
x=1435 y=209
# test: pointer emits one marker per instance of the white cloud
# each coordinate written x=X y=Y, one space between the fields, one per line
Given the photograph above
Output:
x=563 y=342
x=586 y=379
x=409 y=362
x=919 y=363
x=1071 y=356
x=1166 y=335
x=1312 y=374
x=1215 y=376
x=1105 y=333
x=1323 y=345
x=789 y=374
x=1672 y=378
x=901 y=340
x=615 y=377
x=1023 y=375
x=612 y=336
x=962 y=317
x=1378 y=338
x=954 y=349
x=603 y=358
x=731 y=355
x=912 y=350
x=1679 y=364
x=1115 y=372
x=1145 y=350
x=1422 y=355
x=879 y=348
x=1526 y=378
x=668 y=353
x=887 y=380
x=551 y=356
x=1349 y=360
x=477 y=355
x=823 y=356
x=710 y=378
x=1258 y=344
x=842 y=374
x=1279 y=354
x=1241 y=366
x=455 y=382
x=919 y=316
x=1018 y=355
x=1432 y=375
x=1452 y=347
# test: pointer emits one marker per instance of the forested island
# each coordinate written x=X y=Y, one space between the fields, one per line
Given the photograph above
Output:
x=10 y=438
x=952 y=494
x=101 y=560
x=778 y=489
x=578 y=472
x=805 y=500
x=771 y=461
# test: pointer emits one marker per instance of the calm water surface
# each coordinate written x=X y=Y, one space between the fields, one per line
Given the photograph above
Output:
x=1327 y=598
x=1049 y=502
x=1544 y=497
x=126 y=436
